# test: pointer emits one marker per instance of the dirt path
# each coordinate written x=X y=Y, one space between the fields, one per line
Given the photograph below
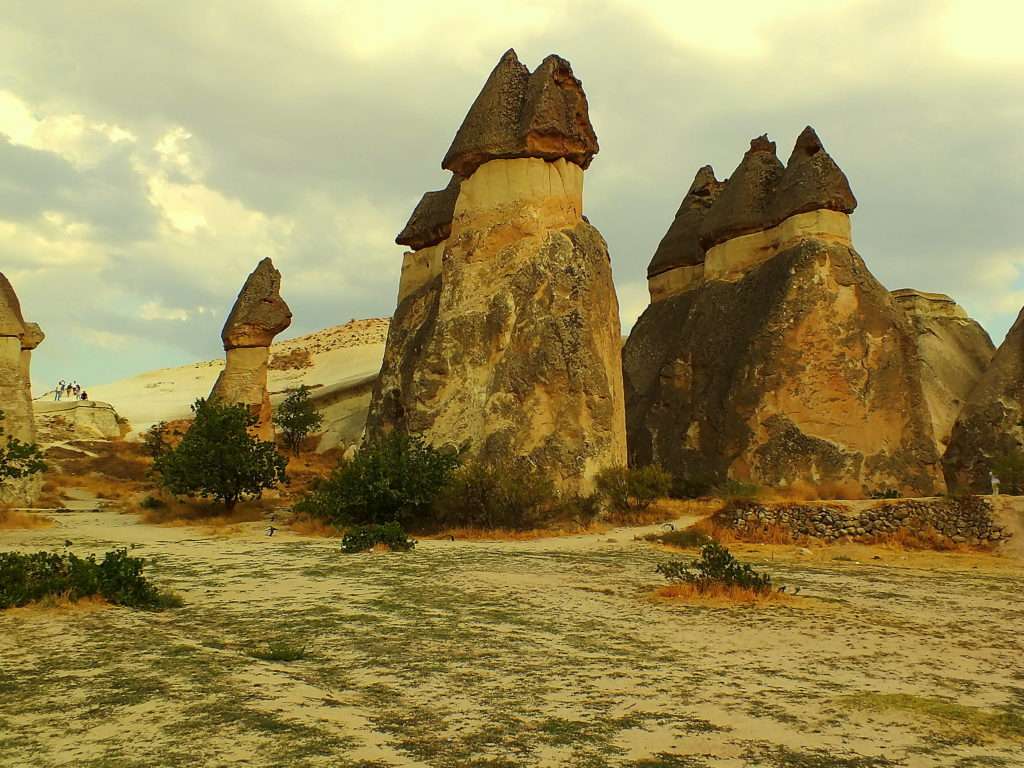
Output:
x=536 y=653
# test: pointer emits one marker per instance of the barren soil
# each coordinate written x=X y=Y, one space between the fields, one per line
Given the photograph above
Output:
x=530 y=653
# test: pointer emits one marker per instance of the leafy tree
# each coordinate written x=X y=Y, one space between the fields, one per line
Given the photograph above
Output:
x=394 y=478
x=218 y=458
x=18 y=459
x=297 y=418
x=155 y=439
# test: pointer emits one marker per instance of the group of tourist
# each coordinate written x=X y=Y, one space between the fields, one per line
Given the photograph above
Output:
x=69 y=391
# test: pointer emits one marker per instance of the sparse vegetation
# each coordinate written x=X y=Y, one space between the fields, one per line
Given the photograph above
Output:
x=297 y=418
x=218 y=458
x=735 y=490
x=364 y=538
x=627 y=490
x=279 y=651
x=969 y=723
x=18 y=459
x=118 y=579
x=395 y=478
x=688 y=538
x=716 y=567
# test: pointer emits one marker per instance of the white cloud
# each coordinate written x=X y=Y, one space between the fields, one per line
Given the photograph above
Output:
x=154 y=310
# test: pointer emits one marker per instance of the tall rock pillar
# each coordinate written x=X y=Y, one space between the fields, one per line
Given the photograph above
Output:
x=15 y=401
x=258 y=315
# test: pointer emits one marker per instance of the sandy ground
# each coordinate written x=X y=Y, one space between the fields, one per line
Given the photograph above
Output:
x=326 y=357
x=540 y=653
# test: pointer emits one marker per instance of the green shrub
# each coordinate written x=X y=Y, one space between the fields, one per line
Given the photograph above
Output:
x=363 y=538
x=394 y=478
x=1008 y=466
x=152 y=502
x=18 y=459
x=297 y=418
x=482 y=494
x=154 y=442
x=218 y=457
x=885 y=493
x=632 y=490
x=279 y=651
x=25 y=578
x=716 y=567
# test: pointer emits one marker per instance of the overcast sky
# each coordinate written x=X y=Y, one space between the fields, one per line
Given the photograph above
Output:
x=151 y=153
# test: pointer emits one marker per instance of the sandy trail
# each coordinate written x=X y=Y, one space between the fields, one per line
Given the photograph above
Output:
x=535 y=653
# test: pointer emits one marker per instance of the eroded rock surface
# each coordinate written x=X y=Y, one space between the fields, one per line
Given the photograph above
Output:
x=955 y=351
x=506 y=336
x=259 y=314
x=990 y=425
x=15 y=388
x=784 y=362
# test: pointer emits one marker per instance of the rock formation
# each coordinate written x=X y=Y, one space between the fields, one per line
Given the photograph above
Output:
x=15 y=387
x=991 y=423
x=954 y=349
x=506 y=336
x=770 y=353
x=258 y=315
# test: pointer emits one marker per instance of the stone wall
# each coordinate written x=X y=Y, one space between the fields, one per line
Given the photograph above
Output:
x=963 y=520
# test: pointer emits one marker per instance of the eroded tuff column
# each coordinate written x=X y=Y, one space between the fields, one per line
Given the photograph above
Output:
x=15 y=400
x=506 y=336
x=769 y=352
x=258 y=315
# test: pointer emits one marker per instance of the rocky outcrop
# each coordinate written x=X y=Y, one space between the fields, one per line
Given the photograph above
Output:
x=784 y=363
x=258 y=315
x=954 y=349
x=77 y=420
x=519 y=114
x=507 y=341
x=15 y=387
x=990 y=426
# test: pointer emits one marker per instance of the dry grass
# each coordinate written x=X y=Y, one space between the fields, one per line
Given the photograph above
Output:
x=311 y=526
x=764 y=534
x=510 y=534
x=11 y=520
x=726 y=594
x=62 y=603
x=209 y=515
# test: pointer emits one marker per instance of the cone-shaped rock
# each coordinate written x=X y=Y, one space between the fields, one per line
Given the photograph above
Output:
x=431 y=220
x=954 y=349
x=812 y=181
x=680 y=247
x=990 y=426
x=744 y=205
x=506 y=336
x=518 y=114
x=258 y=315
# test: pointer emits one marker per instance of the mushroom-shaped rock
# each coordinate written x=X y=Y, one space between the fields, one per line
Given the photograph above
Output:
x=259 y=313
x=680 y=247
x=11 y=321
x=431 y=220
x=812 y=181
x=518 y=114
x=744 y=205
x=32 y=337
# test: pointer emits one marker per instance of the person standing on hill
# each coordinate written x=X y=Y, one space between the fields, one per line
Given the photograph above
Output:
x=58 y=391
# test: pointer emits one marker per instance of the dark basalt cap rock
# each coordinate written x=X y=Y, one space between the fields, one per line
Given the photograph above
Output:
x=431 y=220
x=744 y=205
x=11 y=321
x=33 y=336
x=518 y=114
x=812 y=181
x=680 y=247
x=259 y=313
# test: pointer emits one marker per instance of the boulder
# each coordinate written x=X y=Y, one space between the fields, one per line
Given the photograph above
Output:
x=954 y=349
x=786 y=363
x=519 y=114
x=507 y=341
x=259 y=314
x=990 y=426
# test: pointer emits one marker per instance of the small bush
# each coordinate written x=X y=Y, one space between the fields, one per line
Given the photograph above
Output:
x=297 y=418
x=632 y=490
x=155 y=441
x=26 y=578
x=716 y=568
x=395 y=478
x=279 y=651
x=152 y=502
x=885 y=493
x=517 y=496
x=18 y=459
x=365 y=537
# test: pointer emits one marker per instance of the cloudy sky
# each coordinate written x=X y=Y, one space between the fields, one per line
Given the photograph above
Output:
x=152 y=152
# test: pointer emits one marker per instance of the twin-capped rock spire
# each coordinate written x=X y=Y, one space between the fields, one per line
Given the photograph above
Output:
x=519 y=114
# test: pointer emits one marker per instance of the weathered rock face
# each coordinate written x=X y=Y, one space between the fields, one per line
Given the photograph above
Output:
x=990 y=423
x=955 y=351
x=508 y=340
x=518 y=114
x=15 y=389
x=785 y=363
x=258 y=315
x=431 y=221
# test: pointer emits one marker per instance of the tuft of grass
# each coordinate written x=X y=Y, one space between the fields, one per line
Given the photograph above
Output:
x=688 y=538
x=721 y=593
x=11 y=520
x=279 y=651
x=970 y=723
